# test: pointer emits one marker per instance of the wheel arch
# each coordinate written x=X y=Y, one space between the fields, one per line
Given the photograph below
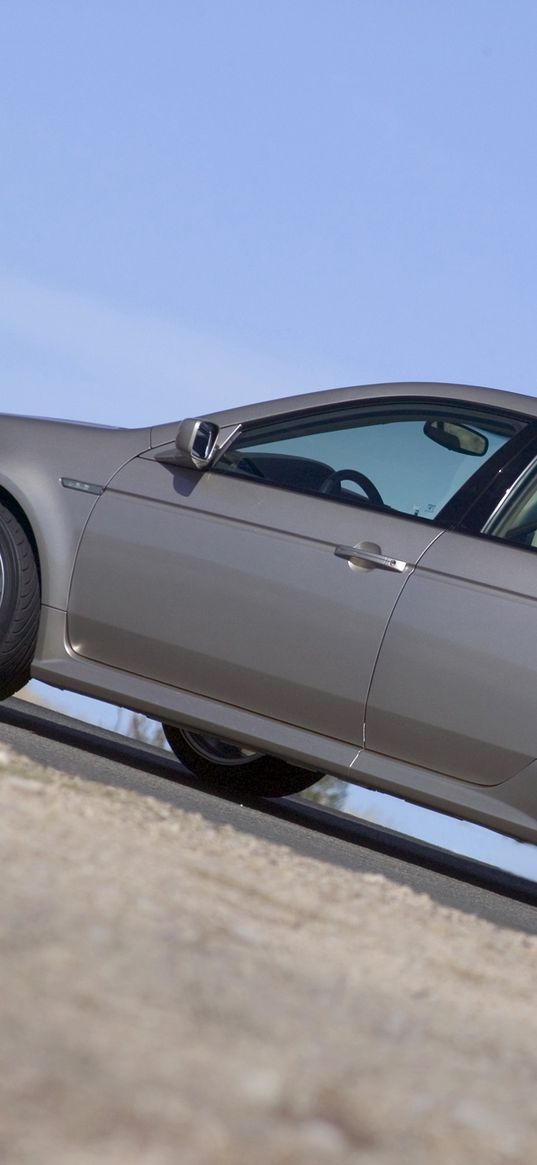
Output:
x=53 y=518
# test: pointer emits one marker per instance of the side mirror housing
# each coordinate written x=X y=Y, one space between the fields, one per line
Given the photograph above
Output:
x=195 y=443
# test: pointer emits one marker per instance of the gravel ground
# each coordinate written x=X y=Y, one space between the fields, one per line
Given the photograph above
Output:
x=178 y=993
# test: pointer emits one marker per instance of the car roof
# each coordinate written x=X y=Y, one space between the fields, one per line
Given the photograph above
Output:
x=471 y=394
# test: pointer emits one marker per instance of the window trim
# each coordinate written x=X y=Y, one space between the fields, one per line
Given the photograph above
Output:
x=493 y=491
x=464 y=510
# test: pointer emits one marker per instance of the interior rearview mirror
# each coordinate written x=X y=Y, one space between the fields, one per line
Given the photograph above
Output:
x=458 y=438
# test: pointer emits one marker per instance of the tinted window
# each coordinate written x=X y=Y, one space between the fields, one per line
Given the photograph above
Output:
x=516 y=520
x=412 y=458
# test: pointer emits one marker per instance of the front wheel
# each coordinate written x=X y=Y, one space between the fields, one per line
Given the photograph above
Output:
x=20 y=604
x=232 y=768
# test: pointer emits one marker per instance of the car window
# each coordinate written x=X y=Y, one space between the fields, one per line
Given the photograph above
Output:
x=516 y=519
x=411 y=458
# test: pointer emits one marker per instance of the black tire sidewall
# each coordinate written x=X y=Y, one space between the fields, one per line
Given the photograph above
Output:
x=20 y=604
x=266 y=776
x=10 y=562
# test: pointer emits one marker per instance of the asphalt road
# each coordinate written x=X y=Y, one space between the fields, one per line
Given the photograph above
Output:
x=96 y=754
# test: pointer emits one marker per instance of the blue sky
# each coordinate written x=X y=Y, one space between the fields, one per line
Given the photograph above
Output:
x=210 y=201
x=205 y=202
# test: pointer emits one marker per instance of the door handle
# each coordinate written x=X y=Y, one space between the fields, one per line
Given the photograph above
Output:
x=368 y=556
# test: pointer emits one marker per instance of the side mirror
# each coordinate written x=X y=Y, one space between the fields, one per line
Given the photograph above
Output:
x=195 y=443
x=458 y=438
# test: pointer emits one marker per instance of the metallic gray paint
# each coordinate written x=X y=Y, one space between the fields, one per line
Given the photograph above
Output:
x=248 y=601
x=492 y=397
x=57 y=664
x=470 y=611
x=510 y=808
x=107 y=632
x=34 y=455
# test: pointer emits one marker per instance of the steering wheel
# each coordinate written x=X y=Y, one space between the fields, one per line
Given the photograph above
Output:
x=332 y=484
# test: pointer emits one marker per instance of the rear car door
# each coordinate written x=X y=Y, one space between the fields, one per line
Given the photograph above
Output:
x=454 y=689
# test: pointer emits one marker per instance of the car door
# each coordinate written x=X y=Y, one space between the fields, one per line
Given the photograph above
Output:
x=267 y=582
x=454 y=689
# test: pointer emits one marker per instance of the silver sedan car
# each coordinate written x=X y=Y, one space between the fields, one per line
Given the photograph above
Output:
x=343 y=582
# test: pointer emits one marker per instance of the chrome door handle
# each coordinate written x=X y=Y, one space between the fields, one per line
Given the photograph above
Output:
x=368 y=556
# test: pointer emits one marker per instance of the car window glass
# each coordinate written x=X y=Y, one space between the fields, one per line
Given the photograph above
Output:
x=516 y=520
x=410 y=458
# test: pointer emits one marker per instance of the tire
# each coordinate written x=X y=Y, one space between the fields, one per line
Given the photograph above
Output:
x=20 y=604
x=232 y=768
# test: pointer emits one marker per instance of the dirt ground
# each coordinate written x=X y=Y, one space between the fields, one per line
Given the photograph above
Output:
x=178 y=993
